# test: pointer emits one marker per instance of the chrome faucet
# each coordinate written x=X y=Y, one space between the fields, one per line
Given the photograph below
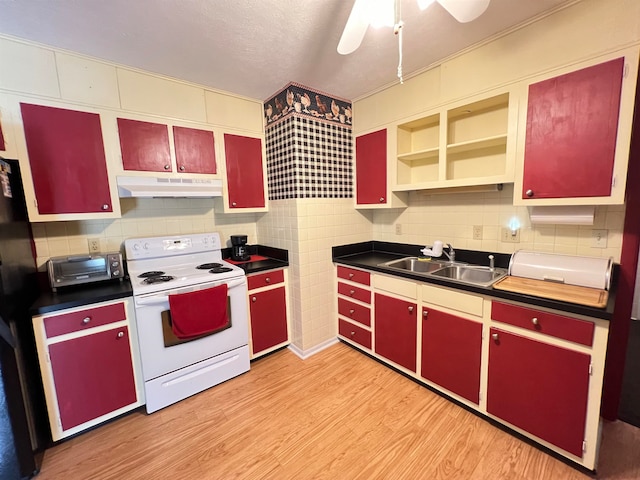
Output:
x=451 y=255
x=492 y=265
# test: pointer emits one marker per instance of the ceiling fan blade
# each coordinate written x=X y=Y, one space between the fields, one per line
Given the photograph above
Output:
x=465 y=10
x=355 y=28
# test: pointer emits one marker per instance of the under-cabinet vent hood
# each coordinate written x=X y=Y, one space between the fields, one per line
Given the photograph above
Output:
x=168 y=187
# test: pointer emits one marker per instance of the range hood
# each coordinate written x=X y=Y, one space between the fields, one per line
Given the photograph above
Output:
x=168 y=187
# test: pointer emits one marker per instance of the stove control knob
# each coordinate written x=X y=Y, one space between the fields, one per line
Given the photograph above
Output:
x=146 y=246
x=136 y=246
x=115 y=264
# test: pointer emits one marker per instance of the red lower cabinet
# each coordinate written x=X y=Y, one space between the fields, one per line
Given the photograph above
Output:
x=396 y=330
x=268 y=310
x=540 y=388
x=451 y=352
x=93 y=376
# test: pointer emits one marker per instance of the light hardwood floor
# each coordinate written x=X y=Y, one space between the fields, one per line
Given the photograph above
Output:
x=336 y=415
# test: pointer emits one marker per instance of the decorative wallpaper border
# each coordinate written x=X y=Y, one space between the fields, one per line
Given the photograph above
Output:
x=300 y=101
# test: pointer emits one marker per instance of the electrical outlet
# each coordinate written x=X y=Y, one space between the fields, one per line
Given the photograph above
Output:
x=477 y=232
x=94 y=245
x=398 y=229
x=507 y=237
x=599 y=238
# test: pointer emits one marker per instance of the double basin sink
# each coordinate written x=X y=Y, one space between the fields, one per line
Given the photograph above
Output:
x=477 y=275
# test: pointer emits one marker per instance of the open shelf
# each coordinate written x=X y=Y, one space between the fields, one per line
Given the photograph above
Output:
x=478 y=144
x=420 y=155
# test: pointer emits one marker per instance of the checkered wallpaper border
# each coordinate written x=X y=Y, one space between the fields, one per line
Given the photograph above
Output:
x=307 y=158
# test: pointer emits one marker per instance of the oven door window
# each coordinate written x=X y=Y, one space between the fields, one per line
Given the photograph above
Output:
x=169 y=337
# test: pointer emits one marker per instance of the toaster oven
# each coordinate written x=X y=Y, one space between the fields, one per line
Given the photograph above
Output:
x=79 y=269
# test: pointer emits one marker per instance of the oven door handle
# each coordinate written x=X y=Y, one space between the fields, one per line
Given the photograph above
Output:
x=164 y=298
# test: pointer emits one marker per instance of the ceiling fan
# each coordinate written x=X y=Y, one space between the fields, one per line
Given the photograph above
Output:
x=387 y=12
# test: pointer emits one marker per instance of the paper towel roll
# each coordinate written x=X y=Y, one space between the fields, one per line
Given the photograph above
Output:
x=563 y=215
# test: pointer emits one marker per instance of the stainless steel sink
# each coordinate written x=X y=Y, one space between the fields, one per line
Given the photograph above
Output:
x=457 y=272
x=414 y=264
x=471 y=274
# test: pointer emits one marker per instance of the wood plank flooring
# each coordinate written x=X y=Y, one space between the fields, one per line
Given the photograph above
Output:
x=336 y=415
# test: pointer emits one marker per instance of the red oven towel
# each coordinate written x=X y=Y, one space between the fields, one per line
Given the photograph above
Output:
x=200 y=312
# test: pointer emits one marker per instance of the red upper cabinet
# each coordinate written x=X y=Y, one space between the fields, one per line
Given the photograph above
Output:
x=195 y=150
x=245 y=176
x=144 y=146
x=371 y=168
x=572 y=126
x=67 y=160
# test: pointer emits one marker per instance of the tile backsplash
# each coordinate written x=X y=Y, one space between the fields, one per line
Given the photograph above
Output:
x=140 y=218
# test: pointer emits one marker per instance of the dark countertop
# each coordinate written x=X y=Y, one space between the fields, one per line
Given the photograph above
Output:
x=80 y=295
x=276 y=258
x=368 y=255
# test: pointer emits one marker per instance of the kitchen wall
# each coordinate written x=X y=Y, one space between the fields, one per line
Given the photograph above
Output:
x=451 y=217
x=308 y=228
x=140 y=217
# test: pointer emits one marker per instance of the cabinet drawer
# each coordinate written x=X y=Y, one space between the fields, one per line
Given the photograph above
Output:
x=354 y=292
x=566 y=328
x=354 y=311
x=354 y=275
x=355 y=333
x=265 y=279
x=84 y=319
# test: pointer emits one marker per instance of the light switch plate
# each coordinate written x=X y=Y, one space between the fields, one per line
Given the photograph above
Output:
x=599 y=238
x=507 y=237
x=477 y=232
x=398 y=229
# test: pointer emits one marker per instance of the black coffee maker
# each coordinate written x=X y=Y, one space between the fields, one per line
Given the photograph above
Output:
x=239 y=248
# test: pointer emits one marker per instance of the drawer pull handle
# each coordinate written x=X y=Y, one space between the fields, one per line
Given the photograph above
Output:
x=86 y=320
x=381 y=199
x=105 y=207
x=353 y=334
x=534 y=320
x=267 y=280
x=351 y=292
x=495 y=336
x=425 y=313
x=352 y=311
x=182 y=168
x=253 y=299
x=120 y=334
x=167 y=167
x=410 y=309
x=351 y=275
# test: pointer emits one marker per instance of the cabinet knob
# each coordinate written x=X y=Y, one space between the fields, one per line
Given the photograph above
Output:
x=425 y=313
x=253 y=299
x=86 y=320
x=410 y=309
x=352 y=311
x=529 y=193
x=353 y=334
x=120 y=334
x=233 y=204
x=381 y=199
x=351 y=292
x=182 y=169
x=534 y=320
x=267 y=280
x=105 y=207
x=167 y=167
x=495 y=336
x=351 y=275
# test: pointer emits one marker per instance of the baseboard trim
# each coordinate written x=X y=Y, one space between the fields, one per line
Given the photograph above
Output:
x=304 y=354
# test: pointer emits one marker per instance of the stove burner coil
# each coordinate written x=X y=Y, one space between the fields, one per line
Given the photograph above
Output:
x=220 y=270
x=207 y=266
x=158 y=279
x=153 y=273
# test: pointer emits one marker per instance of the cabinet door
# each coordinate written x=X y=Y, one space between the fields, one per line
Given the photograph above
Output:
x=396 y=330
x=93 y=376
x=195 y=150
x=144 y=146
x=245 y=180
x=572 y=124
x=371 y=168
x=2 y=146
x=268 y=318
x=540 y=388
x=451 y=352
x=67 y=159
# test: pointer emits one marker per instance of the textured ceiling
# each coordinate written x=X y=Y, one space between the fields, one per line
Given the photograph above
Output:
x=255 y=47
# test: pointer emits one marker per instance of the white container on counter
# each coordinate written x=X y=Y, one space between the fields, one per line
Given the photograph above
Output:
x=593 y=272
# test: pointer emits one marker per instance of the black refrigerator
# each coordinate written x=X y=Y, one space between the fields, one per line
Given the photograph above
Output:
x=24 y=431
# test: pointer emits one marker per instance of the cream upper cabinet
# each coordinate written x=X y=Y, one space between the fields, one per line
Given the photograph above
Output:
x=466 y=143
x=575 y=133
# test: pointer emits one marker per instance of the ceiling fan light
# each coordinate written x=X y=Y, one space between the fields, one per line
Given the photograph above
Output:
x=465 y=10
x=382 y=13
x=423 y=4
